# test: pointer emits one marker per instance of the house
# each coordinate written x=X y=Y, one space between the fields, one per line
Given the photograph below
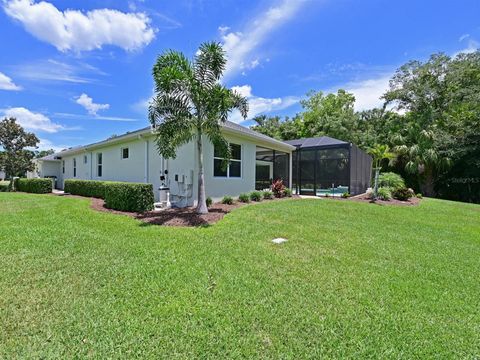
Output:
x=2 y=174
x=133 y=157
x=324 y=165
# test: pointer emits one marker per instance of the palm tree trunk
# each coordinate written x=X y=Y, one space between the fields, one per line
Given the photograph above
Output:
x=375 y=188
x=202 y=201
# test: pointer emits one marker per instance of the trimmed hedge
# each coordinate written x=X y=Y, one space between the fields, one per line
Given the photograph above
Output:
x=88 y=188
x=4 y=186
x=122 y=196
x=134 y=197
x=35 y=186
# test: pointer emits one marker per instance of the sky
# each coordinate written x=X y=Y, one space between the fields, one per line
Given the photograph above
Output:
x=76 y=72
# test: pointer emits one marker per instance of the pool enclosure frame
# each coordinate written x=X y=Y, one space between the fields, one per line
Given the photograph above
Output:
x=329 y=167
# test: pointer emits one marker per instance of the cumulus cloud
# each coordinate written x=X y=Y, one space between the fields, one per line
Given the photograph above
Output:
x=46 y=144
x=240 y=45
x=368 y=92
x=32 y=120
x=91 y=107
x=7 y=84
x=81 y=31
x=259 y=105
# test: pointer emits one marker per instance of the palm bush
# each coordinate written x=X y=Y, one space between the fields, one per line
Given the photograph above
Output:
x=227 y=200
x=391 y=180
x=256 y=196
x=245 y=198
x=267 y=195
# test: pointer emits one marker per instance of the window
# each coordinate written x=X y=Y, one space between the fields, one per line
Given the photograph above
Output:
x=63 y=166
x=234 y=168
x=99 y=164
x=74 y=167
x=85 y=159
x=125 y=153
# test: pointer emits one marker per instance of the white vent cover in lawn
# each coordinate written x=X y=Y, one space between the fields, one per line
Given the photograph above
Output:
x=279 y=240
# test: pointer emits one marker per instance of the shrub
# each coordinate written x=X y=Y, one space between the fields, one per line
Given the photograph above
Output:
x=256 y=196
x=346 y=195
x=35 y=186
x=278 y=188
x=4 y=186
x=403 y=194
x=133 y=197
x=227 y=200
x=419 y=195
x=209 y=201
x=288 y=192
x=384 y=193
x=391 y=180
x=88 y=188
x=267 y=195
x=244 y=198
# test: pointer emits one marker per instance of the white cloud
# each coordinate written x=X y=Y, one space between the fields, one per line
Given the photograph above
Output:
x=81 y=31
x=472 y=46
x=46 y=144
x=88 y=117
x=240 y=45
x=368 y=92
x=259 y=105
x=7 y=84
x=87 y=102
x=32 y=120
x=53 y=70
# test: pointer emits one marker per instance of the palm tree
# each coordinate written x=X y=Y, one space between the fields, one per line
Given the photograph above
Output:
x=190 y=102
x=421 y=158
x=379 y=153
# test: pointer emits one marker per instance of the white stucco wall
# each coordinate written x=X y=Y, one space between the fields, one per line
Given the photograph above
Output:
x=145 y=165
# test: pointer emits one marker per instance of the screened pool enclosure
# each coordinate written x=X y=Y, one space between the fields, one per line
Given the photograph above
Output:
x=325 y=166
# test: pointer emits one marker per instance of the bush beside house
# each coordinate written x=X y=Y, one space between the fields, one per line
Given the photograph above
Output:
x=122 y=196
x=35 y=186
x=134 y=197
x=88 y=188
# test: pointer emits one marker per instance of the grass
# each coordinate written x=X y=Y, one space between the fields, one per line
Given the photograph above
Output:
x=354 y=280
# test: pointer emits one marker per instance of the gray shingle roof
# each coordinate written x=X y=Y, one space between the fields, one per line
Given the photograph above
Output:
x=316 y=141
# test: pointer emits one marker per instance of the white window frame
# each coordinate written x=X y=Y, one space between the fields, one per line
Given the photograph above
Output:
x=63 y=166
x=99 y=164
x=74 y=167
x=228 y=166
x=85 y=159
x=121 y=153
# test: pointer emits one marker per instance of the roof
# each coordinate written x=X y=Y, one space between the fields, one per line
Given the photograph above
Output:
x=316 y=142
x=229 y=126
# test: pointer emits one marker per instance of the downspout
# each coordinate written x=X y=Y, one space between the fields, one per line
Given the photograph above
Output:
x=146 y=161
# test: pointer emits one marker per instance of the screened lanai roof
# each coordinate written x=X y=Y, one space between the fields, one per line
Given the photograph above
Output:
x=316 y=142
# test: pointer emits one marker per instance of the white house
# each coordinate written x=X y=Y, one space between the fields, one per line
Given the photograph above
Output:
x=133 y=157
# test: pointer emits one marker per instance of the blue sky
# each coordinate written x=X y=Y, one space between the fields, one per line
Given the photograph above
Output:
x=75 y=72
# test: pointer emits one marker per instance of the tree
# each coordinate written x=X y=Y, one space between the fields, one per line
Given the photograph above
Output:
x=43 y=153
x=15 y=159
x=331 y=115
x=190 y=102
x=379 y=153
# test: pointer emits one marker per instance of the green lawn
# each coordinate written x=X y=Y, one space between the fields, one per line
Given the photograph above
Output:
x=354 y=280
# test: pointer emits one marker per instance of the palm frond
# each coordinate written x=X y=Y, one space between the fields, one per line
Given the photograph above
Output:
x=210 y=62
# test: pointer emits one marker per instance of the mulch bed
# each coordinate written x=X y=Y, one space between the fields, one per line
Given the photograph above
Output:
x=363 y=198
x=177 y=217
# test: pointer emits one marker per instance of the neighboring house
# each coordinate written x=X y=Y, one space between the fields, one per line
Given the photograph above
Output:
x=2 y=174
x=324 y=165
x=133 y=157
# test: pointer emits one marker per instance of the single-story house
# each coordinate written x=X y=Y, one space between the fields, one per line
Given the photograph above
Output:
x=324 y=165
x=133 y=157
x=309 y=166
